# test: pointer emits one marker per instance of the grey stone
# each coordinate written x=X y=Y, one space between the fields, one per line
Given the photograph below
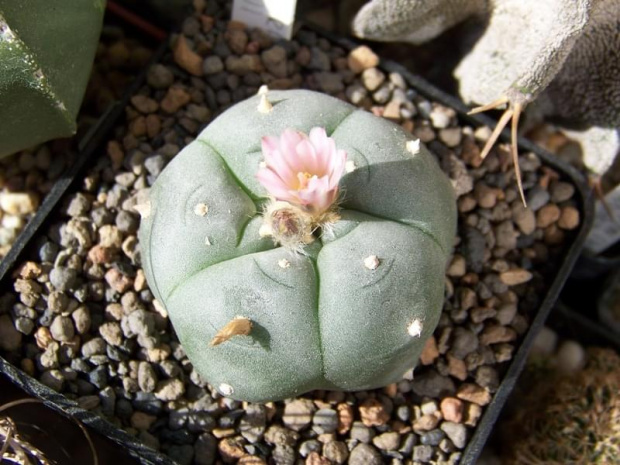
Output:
x=159 y=77
x=432 y=437
x=81 y=319
x=63 y=278
x=336 y=451
x=298 y=414
x=78 y=205
x=102 y=216
x=24 y=325
x=99 y=377
x=280 y=436
x=561 y=191
x=182 y=455
x=155 y=164
x=487 y=377
x=456 y=432
x=95 y=346
x=422 y=453
x=252 y=424
x=387 y=441
x=474 y=245
x=537 y=197
x=108 y=400
x=330 y=83
x=127 y=222
x=57 y=302
x=48 y=252
x=382 y=94
x=432 y=384
x=408 y=443
x=356 y=93
x=319 y=60
x=284 y=455
x=309 y=446
x=274 y=60
x=361 y=432
x=62 y=328
x=372 y=78
x=325 y=420
x=147 y=378
x=464 y=342
x=169 y=389
x=147 y=402
x=403 y=413
x=365 y=454
x=138 y=322
x=505 y=235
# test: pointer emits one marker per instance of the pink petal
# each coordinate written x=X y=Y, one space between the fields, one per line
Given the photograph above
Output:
x=308 y=157
x=269 y=143
x=275 y=186
x=324 y=146
x=288 y=146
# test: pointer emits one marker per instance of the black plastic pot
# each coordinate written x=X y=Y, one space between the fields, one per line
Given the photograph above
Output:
x=492 y=411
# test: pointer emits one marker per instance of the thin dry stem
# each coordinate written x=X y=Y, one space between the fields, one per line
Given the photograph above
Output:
x=513 y=112
x=489 y=106
x=501 y=124
x=514 y=149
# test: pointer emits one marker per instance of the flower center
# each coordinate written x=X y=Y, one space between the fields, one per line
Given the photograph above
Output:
x=303 y=179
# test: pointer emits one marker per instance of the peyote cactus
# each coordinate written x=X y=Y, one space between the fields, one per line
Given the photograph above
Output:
x=46 y=52
x=349 y=306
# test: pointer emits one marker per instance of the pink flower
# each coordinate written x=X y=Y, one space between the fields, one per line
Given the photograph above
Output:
x=302 y=170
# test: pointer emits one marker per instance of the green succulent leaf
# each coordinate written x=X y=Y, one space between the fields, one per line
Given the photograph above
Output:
x=46 y=53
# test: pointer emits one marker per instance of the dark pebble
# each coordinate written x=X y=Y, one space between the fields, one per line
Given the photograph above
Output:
x=182 y=455
x=99 y=377
x=123 y=409
x=48 y=252
x=473 y=249
x=432 y=438
x=147 y=402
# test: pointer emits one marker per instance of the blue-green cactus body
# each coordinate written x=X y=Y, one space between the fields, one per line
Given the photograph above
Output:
x=322 y=319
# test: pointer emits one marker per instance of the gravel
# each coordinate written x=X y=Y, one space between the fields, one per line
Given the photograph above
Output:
x=27 y=177
x=83 y=321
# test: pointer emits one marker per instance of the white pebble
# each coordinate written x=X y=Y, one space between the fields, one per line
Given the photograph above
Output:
x=571 y=357
x=226 y=389
x=545 y=342
x=144 y=209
